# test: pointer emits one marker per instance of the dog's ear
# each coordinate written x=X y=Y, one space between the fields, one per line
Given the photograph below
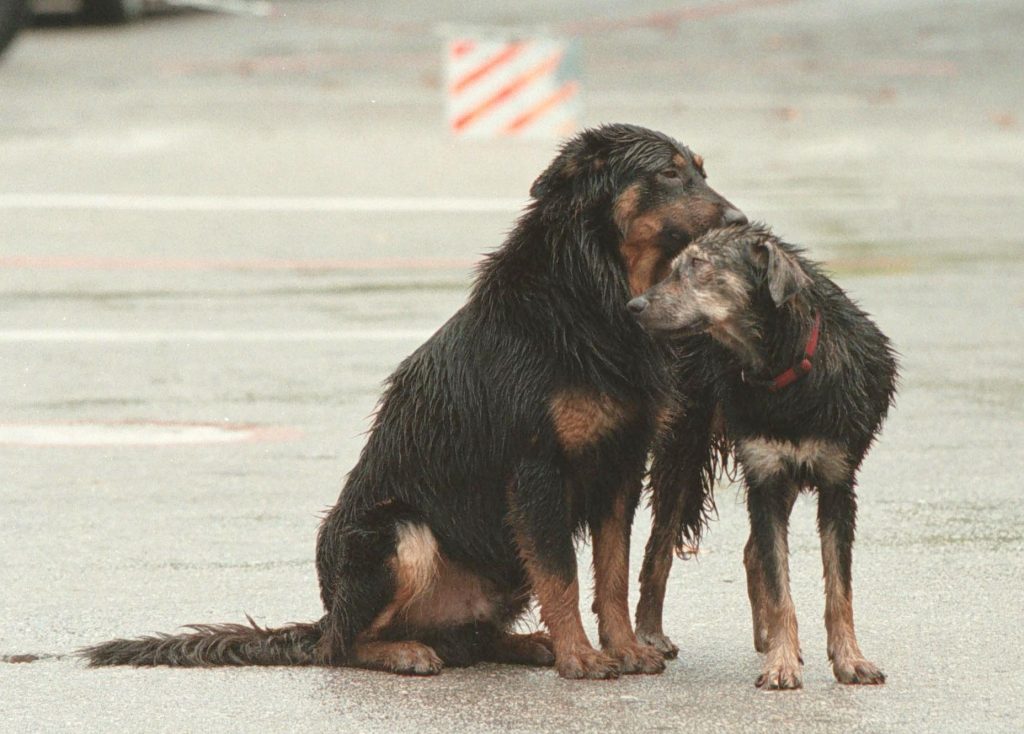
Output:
x=562 y=172
x=544 y=183
x=785 y=276
x=578 y=158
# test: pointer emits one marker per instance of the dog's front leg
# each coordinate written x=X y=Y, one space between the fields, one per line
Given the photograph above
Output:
x=539 y=517
x=837 y=511
x=769 y=503
x=611 y=588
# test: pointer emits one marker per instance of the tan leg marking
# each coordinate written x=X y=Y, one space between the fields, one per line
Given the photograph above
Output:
x=406 y=657
x=782 y=666
x=415 y=565
x=559 y=603
x=431 y=591
x=535 y=648
x=611 y=596
x=848 y=663
x=758 y=594
x=653 y=582
x=560 y=612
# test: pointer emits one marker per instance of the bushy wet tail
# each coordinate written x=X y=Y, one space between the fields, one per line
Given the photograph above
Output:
x=214 y=644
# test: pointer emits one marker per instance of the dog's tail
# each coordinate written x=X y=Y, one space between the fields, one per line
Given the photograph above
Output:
x=215 y=644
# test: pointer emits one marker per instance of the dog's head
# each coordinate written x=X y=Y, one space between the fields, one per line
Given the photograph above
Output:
x=650 y=190
x=723 y=284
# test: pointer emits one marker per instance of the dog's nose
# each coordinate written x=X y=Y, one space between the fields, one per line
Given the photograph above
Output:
x=637 y=305
x=732 y=215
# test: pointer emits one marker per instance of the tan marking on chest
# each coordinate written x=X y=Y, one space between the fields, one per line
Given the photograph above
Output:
x=826 y=460
x=582 y=418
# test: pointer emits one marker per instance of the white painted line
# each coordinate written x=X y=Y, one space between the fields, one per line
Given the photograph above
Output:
x=132 y=433
x=355 y=204
x=233 y=7
x=781 y=200
x=106 y=336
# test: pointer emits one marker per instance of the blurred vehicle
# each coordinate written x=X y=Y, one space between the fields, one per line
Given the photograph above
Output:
x=95 y=11
x=12 y=16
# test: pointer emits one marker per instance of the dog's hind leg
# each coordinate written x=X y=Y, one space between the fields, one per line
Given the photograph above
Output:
x=757 y=593
x=653 y=581
x=682 y=474
x=611 y=588
x=534 y=648
x=837 y=510
x=371 y=569
x=769 y=503
x=666 y=506
x=539 y=517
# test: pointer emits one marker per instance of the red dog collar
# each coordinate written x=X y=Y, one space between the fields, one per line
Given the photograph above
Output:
x=804 y=366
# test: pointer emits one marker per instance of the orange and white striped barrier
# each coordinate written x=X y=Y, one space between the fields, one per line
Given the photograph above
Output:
x=512 y=87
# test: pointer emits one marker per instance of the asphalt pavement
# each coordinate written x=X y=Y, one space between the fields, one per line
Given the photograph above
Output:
x=220 y=231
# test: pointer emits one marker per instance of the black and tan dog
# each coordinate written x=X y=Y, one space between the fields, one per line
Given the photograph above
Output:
x=524 y=422
x=805 y=380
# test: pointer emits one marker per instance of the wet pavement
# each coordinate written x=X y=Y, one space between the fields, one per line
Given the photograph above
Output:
x=238 y=225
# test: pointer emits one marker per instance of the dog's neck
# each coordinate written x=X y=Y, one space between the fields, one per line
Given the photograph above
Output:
x=767 y=344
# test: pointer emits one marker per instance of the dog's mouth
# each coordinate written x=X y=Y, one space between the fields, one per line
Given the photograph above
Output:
x=701 y=326
x=656 y=323
x=671 y=330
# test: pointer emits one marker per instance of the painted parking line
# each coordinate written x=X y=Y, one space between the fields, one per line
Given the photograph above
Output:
x=107 y=336
x=139 y=433
x=118 y=262
x=352 y=204
x=795 y=200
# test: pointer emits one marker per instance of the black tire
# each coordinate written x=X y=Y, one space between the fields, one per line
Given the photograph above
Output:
x=111 y=11
x=12 y=17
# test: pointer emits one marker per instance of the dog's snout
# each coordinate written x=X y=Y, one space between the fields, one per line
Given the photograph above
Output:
x=732 y=215
x=637 y=306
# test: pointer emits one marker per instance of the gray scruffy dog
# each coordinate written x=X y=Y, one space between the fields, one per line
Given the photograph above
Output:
x=804 y=379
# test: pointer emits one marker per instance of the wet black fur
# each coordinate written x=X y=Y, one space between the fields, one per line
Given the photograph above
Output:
x=463 y=439
x=847 y=394
x=844 y=399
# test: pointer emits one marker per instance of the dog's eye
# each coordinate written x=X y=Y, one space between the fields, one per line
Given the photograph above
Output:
x=670 y=173
x=700 y=266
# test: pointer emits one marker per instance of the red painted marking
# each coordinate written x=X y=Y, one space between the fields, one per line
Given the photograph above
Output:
x=524 y=120
x=461 y=48
x=72 y=262
x=903 y=67
x=503 y=57
x=509 y=90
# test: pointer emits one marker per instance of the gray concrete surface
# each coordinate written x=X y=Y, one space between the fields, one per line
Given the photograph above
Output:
x=886 y=137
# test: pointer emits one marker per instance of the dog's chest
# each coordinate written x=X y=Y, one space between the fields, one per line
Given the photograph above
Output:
x=582 y=418
x=817 y=460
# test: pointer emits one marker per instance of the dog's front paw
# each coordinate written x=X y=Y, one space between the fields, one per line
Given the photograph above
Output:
x=782 y=671
x=858 y=671
x=659 y=642
x=637 y=658
x=583 y=662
